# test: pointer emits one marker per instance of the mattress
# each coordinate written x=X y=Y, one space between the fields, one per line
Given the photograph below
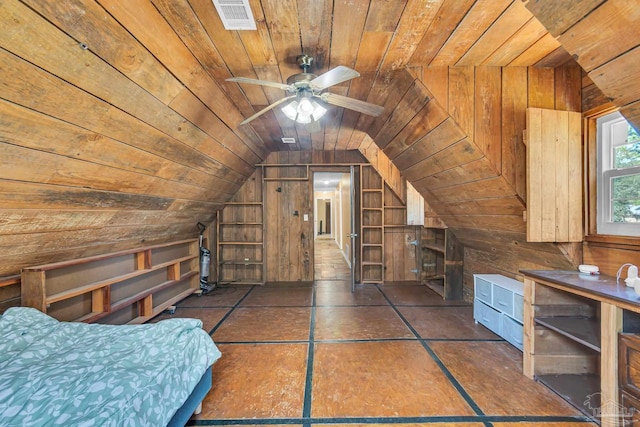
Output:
x=66 y=373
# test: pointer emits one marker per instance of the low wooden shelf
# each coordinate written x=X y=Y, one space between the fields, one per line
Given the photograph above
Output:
x=571 y=327
x=441 y=259
x=120 y=287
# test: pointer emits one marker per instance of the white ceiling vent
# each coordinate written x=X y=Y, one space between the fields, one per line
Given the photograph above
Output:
x=235 y=14
x=288 y=140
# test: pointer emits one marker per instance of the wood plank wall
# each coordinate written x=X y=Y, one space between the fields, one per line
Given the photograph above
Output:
x=289 y=239
x=104 y=145
x=463 y=151
x=602 y=36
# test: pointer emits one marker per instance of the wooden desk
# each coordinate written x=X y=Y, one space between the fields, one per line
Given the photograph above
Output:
x=571 y=327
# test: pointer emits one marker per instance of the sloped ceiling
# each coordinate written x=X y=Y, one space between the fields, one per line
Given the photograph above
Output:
x=117 y=114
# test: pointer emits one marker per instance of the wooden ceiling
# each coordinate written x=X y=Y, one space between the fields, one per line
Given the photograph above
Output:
x=117 y=124
x=375 y=37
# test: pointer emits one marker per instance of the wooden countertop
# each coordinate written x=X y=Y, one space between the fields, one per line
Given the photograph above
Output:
x=599 y=287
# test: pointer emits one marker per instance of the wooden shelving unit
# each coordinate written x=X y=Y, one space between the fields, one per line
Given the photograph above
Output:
x=121 y=287
x=567 y=358
x=240 y=243
x=571 y=328
x=441 y=258
x=9 y=292
x=371 y=226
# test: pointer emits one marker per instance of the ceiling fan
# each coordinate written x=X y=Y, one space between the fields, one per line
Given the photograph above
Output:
x=306 y=89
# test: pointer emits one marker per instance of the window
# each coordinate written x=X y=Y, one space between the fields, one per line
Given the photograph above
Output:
x=618 y=164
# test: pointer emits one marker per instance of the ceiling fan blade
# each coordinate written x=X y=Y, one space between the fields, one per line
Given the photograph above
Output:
x=352 y=104
x=259 y=82
x=269 y=107
x=333 y=77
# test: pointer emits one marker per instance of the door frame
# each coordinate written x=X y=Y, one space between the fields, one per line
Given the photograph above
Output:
x=338 y=228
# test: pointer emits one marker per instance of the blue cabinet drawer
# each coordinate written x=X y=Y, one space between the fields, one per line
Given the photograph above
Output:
x=483 y=290
x=486 y=316
x=503 y=300
x=512 y=331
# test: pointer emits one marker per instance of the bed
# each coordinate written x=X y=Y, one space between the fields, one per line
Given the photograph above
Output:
x=67 y=373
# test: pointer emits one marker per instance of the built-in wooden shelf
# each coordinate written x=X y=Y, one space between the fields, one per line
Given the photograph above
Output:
x=584 y=330
x=119 y=287
x=436 y=285
x=573 y=388
x=572 y=324
x=441 y=259
x=240 y=232
x=434 y=247
x=241 y=243
x=241 y=262
x=371 y=226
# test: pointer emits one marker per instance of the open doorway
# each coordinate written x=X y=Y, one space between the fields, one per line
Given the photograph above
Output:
x=332 y=225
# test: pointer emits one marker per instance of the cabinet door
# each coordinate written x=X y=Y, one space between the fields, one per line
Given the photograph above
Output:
x=554 y=176
x=629 y=364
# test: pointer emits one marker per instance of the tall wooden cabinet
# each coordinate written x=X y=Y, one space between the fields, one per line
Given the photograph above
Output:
x=442 y=260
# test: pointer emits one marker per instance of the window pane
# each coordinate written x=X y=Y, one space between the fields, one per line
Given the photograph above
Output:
x=628 y=155
x=626 y=198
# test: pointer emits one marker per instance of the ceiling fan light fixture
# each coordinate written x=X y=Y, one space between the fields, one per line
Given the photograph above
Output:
x=304 y=111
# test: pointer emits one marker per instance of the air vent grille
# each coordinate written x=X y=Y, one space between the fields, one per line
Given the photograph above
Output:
x=235 y=14
x=288 y=140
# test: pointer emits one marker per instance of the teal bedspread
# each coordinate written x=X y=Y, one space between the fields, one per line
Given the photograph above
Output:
x=74 y=374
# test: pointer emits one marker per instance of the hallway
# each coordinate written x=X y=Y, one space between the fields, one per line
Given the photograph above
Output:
x=315 y=353
x=329 y=263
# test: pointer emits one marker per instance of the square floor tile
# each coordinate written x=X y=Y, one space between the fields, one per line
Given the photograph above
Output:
x=415 y=295
x=221 y=296
x=341 y=295
x=257 y=381
x=381 y=379
x=279 y=296
x=491 y=372
x=336 y=323
x=445 y=322
x=209 y=316
x=252 y=324
x=342 y=284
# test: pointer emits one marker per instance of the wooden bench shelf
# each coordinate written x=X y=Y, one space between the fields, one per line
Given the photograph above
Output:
x=121 y=287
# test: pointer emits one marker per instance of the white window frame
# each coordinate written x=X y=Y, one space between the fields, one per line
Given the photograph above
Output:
x=606 y=131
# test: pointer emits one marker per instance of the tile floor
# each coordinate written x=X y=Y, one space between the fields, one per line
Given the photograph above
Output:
x=394 y=354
